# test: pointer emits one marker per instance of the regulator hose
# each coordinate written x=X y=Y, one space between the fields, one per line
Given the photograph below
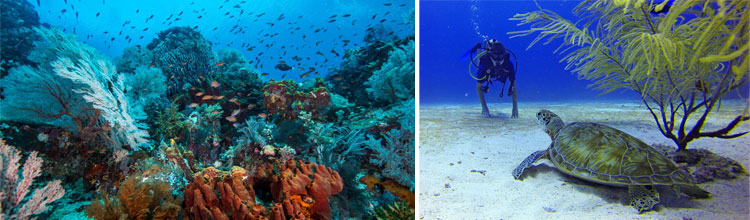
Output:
x=515 y=68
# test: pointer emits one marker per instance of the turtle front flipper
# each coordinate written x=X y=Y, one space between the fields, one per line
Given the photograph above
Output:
x=528 y=162
x=643 y=199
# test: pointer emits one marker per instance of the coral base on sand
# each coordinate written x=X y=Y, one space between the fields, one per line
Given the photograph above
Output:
x=705 y=165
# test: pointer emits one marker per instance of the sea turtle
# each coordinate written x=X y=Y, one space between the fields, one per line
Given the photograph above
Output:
x=605 y=155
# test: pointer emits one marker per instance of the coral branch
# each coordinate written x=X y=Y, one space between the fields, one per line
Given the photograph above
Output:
x=12 y=194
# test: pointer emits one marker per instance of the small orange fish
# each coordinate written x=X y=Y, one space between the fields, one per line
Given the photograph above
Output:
x=236 y=112
x=199 y=94
x=312 y=68
x=220 y=64
x=207 y=97
x=184 y=63
x=250 y=106
x=170 y=66
x=300 y=68
x=338 y=78
x=216 y=112
x=193 y=105
x=235 y=101
x=151 y=65
x=262 y=115
x=304 y=75
x=215 y=84
x=264 y=74
x=218 y=97
x=243 y=71
x=231 y=118
x=182 y=69
x=282 y=62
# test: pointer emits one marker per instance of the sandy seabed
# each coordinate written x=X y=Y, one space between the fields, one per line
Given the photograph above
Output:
x=466 y=162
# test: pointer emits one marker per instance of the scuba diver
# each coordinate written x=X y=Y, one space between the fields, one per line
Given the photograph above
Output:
x=494 y=65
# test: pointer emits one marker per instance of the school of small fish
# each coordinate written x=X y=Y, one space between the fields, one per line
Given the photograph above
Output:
x=264 y=28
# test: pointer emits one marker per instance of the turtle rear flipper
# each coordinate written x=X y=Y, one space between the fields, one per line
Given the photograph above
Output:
x=528 y=162
x=693 y=191
x=643 y=199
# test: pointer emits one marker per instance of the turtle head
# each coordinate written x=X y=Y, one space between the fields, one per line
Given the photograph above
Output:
x=550 y=122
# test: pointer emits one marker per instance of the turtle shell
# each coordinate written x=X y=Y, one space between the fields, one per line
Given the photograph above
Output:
x=605 y=155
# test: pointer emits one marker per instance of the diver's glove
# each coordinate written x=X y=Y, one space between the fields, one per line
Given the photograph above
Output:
x=476 y=47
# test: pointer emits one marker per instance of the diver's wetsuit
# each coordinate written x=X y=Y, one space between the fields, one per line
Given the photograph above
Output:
x=498 y=69
x=489 y=70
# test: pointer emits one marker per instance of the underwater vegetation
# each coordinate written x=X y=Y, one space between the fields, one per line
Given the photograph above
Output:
x=681 y=62
x=177 y=130
x=14 y=189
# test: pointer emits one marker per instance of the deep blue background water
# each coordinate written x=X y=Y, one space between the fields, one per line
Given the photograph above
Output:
x=447 y=32
x=315 y=15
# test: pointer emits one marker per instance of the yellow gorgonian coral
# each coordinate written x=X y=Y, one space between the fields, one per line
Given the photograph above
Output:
x=681 y=61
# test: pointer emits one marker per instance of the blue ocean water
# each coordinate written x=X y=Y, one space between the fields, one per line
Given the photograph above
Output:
x=269 y=27
x=449 y=29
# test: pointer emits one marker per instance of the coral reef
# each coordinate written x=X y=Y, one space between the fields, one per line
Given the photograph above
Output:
x=144 y=85
x=358 y=66
x=278 y=97
x=141 y=196
x=298 y=191
x=107 y=96
x=169 y=124
x=134 y=57
x=72 y=87
x=394 y=81
x=13 y=189
x=404 y=193
x=203 y=128
x=379 y=32
x=284 y=99
x=184 y=56
x=397 y=210
x=17 y=19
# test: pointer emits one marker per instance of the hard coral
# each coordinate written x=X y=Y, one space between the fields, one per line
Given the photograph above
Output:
x=184 y=56
x=283 y=98
x=278 y=97
x=314 y=101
